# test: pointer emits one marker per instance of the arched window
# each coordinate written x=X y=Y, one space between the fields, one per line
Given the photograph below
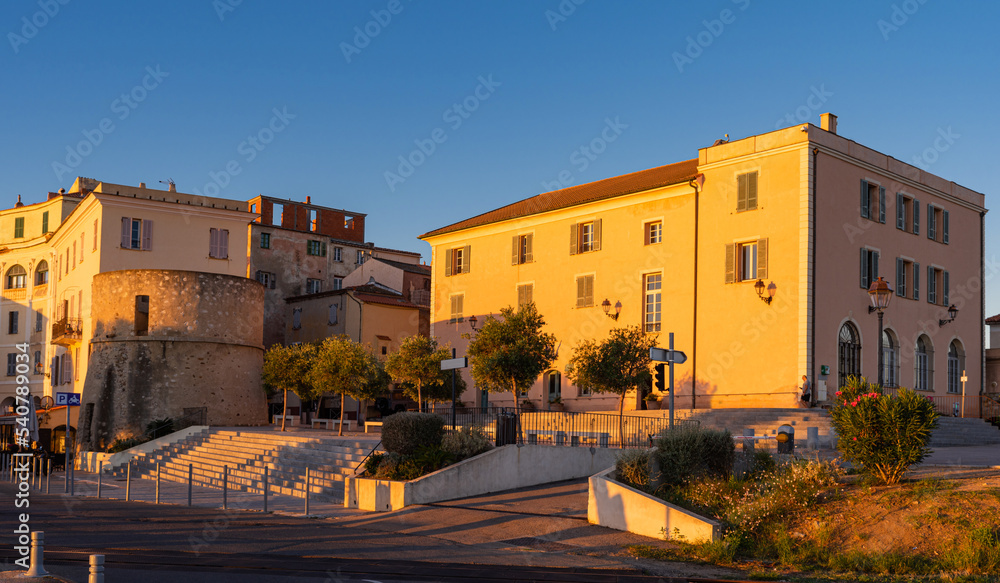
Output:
x=956 y=365
x=924 y=364
x=42 y=273
x=849 y=353
x=890 y=359
x=16 y=277
x=553 y=385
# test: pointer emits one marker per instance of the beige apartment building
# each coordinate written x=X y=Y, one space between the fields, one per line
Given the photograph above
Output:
x=757 y=255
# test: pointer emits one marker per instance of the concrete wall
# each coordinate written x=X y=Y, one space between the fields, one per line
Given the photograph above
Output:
x=203 y=350
x=615 y=505
x=91 y=461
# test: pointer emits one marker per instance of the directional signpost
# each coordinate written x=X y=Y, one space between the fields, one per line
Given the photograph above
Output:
x=453 y=364
x=69 y=400
x=671 y=357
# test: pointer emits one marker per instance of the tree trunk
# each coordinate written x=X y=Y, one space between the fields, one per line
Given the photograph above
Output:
x=340 y=428
x=420 y=406
x=517 y=410
x=621 y=419
x=284 y=407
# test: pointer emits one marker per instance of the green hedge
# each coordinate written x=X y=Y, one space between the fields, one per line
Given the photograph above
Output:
x=687 y=452
x=406 y=433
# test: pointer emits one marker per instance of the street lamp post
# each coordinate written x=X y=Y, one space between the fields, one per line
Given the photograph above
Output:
x=880 y=294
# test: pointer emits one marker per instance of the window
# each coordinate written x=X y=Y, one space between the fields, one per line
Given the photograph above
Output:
x=313 y=220
x=38 y=362
x=361 y=257
x=348 y=222
x=585 y=237
x=39 y=322
x=45 y=222
x=267 y=279
x=11 y=364
x=457 y=260
x=314 y=286
x=652 y=305
x=137 y=234
x=923 y=365
x=338 y=254
x=276 y=212
x=67 y=368
x=848 y=353
x=746 y=192
x=525 y=294
x=457 y=307
x=334 y=314
x=16 y=277
x=869 y=267
x=872 y=201
x=746 y=261
x=585 y=291
x=654 y=232
x=265 y=240
x=521 y=249
x=937 y=286
x=18 y=227
x=907 y=213
x=253 y=208
x=553 y=382
x=218 y=243
x=317 y=248
x=338 y=283
x=12 y=322
x=296 y=318
x=937 y=224
x=141 y=315
x=956 y=367
x=890 y=359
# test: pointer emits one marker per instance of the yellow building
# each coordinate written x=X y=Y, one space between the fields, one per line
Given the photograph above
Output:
x=681 y=248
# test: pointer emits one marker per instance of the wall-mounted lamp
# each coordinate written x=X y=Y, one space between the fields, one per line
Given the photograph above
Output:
x=473 y=321
x=606 y=304
x=771 y=290
x=952 y=312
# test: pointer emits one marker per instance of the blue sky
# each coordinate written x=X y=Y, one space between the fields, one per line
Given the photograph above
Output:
x=534 y=82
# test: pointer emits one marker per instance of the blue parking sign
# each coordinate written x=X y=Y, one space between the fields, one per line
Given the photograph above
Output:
x=72 y=399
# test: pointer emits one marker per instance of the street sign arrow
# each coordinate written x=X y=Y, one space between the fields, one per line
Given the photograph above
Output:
x=664 y=355
x=453 y=363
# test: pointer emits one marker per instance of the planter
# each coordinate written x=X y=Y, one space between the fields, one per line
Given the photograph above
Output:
x=557 y=407
x=652 y=405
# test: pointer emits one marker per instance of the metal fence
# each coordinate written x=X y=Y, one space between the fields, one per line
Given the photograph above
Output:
x=952 y=405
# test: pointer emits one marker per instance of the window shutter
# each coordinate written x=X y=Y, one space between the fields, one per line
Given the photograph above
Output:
x=931 y=285
x=574 y=231
x=944 y=226
x=931 y=223
x=514 y=250
x=213 y=242
x=447 y=262
x=730 y=263
x=273 y=278
x=762 y=258
x=741 y=193
x=864 y=268
x=224 y=244
x=54 y=370
x=322 y=246
x=751 y=191
x=900 y=212
x=875 y=271
x=529 y=252
x=916 y=217
x=865 y=203
x=589 y=282
x=881 y=204
x=944 y=289
x=67 y=368
x=147 y=235
x=916 y=281
x=900 y=278
x=126 y=233
x=597 y=235
x=467 y=259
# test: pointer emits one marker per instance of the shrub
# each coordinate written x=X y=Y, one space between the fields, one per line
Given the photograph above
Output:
x=123 y=443
x=883 y=434
x=405 y=433
x=690 y=451
x=373 y=462
x=159 y=427
x=395 y=466
x=632 y=468
x=467 y=442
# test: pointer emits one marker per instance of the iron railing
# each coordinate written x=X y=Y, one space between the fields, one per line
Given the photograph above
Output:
x=950 y=405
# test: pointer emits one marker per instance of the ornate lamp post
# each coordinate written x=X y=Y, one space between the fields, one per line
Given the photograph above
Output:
x=880 y=294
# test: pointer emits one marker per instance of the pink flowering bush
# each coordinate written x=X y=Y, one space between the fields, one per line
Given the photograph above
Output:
x=882 y=434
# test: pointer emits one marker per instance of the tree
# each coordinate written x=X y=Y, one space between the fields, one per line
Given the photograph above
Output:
x=438 y=391
x=349 y=368
x=417 y=363
x=510 y=352
x=617 y=365
x=288 y=368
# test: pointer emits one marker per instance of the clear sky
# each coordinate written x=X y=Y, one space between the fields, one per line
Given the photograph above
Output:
x=239 y=97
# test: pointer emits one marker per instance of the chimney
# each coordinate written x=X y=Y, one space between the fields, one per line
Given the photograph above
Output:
x=171 y=187
x=828 y=122
x=142 y=185
x=308 y=199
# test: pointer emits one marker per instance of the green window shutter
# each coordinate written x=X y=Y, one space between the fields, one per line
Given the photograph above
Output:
x=916 y=217
x=45 y=222
x=865 y=202
x=931 y=285
x=324 y=249
x=467 y=259
x=741 y=193
x=916 y=281
x=944 y=227
x=751 y=191
x=730 y=263
x=762 y=258
x=881 y=204
x=597 y=235
x=944 y=289
x=529 y=255
x=864 y=268
x=875 y=271
x=574 y=233
x=515 y=250
x=931 y=223
x=447 y=262
x=900 y=212
x=900 y=278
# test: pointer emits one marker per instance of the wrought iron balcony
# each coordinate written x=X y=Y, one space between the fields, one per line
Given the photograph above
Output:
x=67 y=331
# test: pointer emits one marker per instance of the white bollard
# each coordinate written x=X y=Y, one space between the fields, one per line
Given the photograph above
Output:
x=37 y=555
x=96 y=569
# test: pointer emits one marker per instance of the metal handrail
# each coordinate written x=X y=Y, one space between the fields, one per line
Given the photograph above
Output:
x=362 y=462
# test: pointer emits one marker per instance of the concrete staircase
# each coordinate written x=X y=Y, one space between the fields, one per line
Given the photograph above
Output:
x=955 y=431
x=246 y=453
x=765 y=422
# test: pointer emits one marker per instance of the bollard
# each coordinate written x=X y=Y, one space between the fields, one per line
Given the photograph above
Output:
x=157 y=483
x=100 y=469
x=265 y=488
x=307 y=490
x=34 y=473
x=72 y=480
x=225 y=487
x=37 y=555
x=812 y=437
x=48 y=476
x=786 y=439
x=190 y=479
x=128 y=481
x=748 y=444
x=96 y=569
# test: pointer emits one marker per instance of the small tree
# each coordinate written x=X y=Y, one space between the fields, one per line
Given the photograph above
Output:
x=438 y=391
x=288 y=368
x=510 y=352
x=417 y=363
x=883 y=434
x=617 y=365
x=349 y=368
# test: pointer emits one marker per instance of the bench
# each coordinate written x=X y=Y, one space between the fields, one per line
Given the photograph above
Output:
x=369 y=424
x=292 y=419
x=599 y=438
x=334 y=423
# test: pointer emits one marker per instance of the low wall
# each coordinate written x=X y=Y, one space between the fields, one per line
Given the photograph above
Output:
x=503 y=468
x=615 y=505
x=88 y=460
x=92 y=461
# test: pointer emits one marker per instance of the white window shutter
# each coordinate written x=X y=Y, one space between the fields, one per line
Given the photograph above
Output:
x=730 y=263
x=448 y=253
x=467 y=259
x=224 y=243
x=213 y=242
x=574 y=231
x=751 y=191
x=529 y=252
x=741 y=193
x=67 y=368
x=147 y=235
x=762 y=258
x=597 y=235
x=126 y=232
x=515 y=250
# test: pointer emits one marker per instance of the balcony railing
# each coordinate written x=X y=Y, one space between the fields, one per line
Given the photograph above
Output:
x=67 y=331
